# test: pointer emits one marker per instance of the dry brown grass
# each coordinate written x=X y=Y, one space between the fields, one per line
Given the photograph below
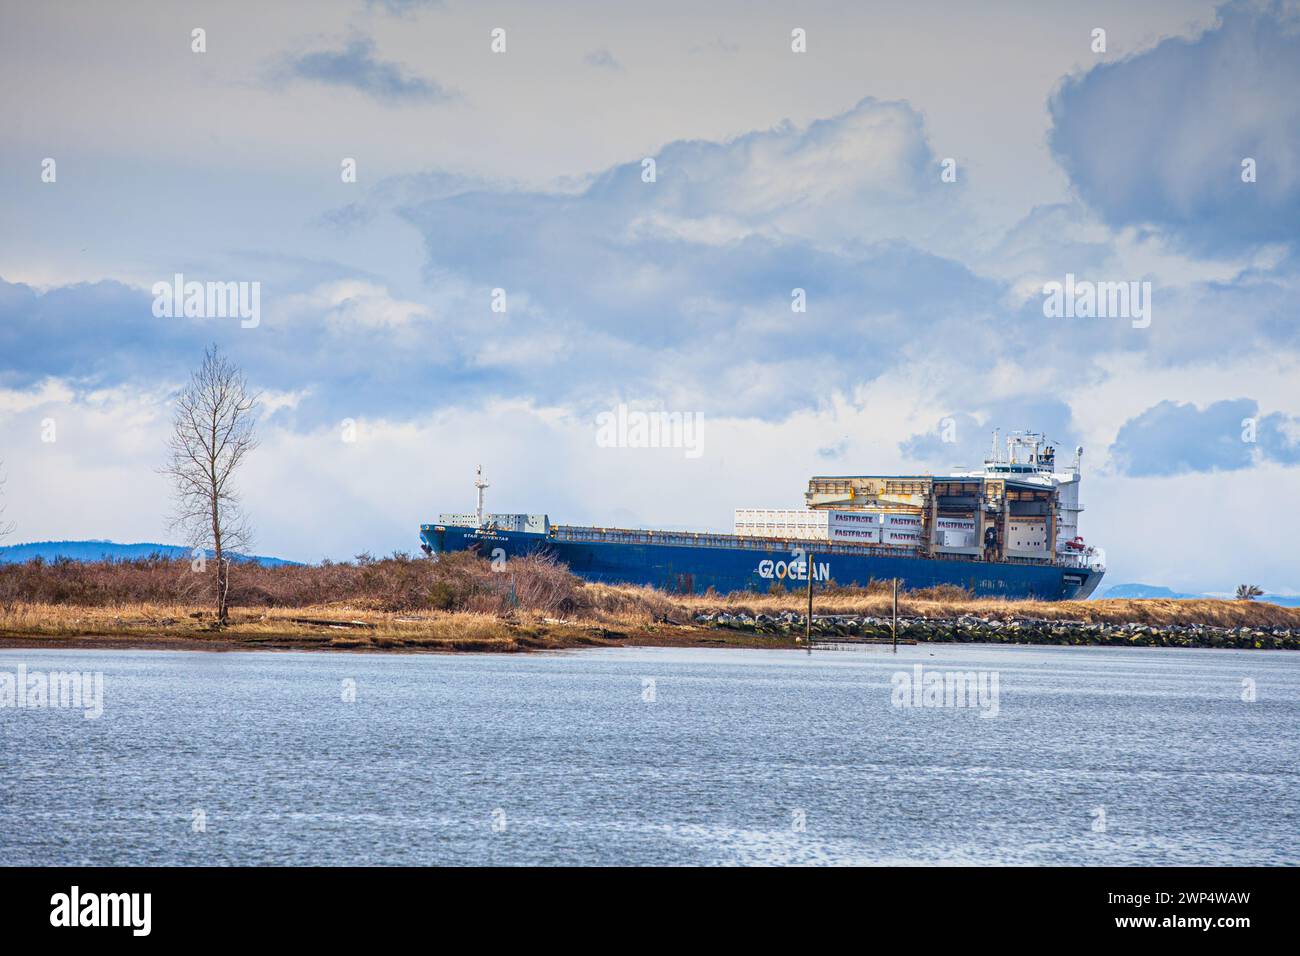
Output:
x=456 y=603
x=632 y=605
x=336 y=626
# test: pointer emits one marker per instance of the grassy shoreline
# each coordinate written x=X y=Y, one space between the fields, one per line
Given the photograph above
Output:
x=464 y=603
x=630 y=616
x=342 y=627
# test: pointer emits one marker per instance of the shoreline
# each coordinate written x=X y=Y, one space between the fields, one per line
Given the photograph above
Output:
x=92 y=642
x=610 y=616
x=225 y=643
x=732 y=631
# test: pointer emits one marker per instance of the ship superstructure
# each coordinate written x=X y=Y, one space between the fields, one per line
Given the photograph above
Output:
x=1018 y=508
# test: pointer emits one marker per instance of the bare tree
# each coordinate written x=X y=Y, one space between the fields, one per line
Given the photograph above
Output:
x=8 y=586
x=212 y=432
x=5 y=527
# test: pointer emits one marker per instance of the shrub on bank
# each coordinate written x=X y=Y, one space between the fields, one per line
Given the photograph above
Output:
x=456 y=582
x=461 y=581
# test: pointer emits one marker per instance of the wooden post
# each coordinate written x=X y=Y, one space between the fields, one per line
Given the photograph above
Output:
x=894 y=626
x=808 y=623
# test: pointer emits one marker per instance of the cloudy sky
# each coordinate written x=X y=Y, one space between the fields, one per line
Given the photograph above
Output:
x=774 y=170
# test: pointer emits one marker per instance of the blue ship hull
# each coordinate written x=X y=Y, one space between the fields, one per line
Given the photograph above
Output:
x=672 y=562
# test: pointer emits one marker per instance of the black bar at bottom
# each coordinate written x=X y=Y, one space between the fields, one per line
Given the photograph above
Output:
x=335 y=905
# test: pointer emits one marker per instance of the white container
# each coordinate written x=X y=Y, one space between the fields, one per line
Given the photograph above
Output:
x=903 y=522
x=909 y=538
x=942 y=523
x=781 y=523
x=867 y=535
x=535 y=524
x=869 y=520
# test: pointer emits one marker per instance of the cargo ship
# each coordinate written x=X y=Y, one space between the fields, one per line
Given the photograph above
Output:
x=1009 y=529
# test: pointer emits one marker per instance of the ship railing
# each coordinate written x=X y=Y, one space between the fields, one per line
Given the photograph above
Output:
x=711 y=539
x=1094 y=559
x=756 y=543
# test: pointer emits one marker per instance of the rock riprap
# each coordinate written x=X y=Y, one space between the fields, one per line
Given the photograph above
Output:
x=1015 y=630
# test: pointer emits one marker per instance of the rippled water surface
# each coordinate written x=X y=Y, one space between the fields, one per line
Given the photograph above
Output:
x=656 y=756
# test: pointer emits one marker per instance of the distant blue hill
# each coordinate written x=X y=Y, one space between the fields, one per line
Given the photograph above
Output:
x=104 y=550
x=1156 y=591
x=1280 y=600
x=1144 y=591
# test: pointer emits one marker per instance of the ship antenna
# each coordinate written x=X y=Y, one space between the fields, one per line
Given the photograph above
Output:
x=480 y=484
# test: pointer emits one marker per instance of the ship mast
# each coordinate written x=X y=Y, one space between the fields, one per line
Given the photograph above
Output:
x=480 y=484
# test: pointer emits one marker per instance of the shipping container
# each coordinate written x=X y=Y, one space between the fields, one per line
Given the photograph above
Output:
x=533 y=524
x=781 y=523
x=945 y=523
x=854 y=519
x=902 y=521
x=865 y=535
x=910 y=538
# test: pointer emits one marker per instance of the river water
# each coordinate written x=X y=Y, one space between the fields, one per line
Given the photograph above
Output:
x=655 y=756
